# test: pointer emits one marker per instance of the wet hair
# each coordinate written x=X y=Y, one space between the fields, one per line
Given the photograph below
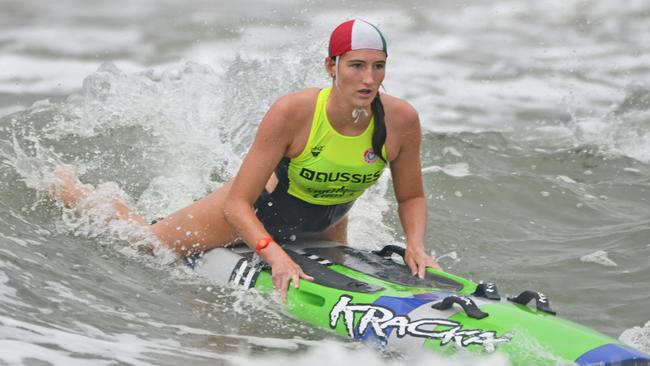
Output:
x=379 y=134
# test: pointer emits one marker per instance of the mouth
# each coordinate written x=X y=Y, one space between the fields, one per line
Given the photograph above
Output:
x=365 y=92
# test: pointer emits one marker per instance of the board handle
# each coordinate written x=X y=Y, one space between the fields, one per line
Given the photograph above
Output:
x=488 y=291
x=541 y=301
x=468 y=305
x=389 y=250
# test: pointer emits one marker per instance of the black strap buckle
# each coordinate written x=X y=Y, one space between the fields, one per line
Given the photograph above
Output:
x=541 y=302
x=468 y=305
x=488 y=291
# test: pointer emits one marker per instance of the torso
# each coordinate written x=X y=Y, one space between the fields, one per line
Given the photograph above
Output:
x=284 y=215
x=302 y=125
x=333 y=168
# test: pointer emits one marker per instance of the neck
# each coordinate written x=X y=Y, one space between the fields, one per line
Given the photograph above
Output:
x=341 y=112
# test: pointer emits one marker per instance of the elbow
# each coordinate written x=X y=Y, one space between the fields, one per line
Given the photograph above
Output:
x=230 y=211
x=233 y=209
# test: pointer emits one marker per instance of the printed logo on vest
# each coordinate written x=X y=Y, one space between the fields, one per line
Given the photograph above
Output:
x=369 y=156
x=316 y=150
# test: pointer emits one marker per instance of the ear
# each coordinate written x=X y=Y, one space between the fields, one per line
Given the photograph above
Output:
x=330 y=65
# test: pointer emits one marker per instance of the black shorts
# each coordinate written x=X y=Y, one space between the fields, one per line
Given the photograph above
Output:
x=286 y=217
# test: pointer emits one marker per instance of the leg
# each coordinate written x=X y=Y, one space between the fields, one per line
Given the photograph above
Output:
x=198 y=227
x=67 y=189
x=337 y=232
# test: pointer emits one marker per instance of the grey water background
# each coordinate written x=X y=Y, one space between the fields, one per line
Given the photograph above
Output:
x=536 y=160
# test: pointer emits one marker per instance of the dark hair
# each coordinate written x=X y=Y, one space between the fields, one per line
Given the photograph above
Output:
x=379 y=134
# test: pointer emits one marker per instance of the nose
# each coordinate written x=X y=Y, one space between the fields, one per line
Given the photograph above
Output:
x=368 y=76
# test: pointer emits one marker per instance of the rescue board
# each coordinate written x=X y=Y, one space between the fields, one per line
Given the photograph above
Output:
x=372 y=296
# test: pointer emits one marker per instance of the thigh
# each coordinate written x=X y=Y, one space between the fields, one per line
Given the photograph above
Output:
x=198 y=227
x=337 y=232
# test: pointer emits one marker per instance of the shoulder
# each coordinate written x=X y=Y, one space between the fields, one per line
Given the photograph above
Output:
x=400 y=114
x=287 y=117
x=289 y=112
x=295 y=106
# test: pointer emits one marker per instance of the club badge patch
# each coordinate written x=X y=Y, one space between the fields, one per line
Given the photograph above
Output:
x=369 y=156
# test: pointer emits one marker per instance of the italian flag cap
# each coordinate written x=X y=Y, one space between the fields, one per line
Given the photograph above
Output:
x=356 y=34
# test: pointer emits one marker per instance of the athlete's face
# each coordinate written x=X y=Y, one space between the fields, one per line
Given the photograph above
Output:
x=360 y=73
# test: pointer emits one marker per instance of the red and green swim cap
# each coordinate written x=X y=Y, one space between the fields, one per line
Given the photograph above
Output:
x=356 y=34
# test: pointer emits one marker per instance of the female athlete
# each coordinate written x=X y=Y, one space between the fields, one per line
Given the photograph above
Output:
x=314 y=154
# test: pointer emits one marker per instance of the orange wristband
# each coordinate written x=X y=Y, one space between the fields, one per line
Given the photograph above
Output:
x=263 y=243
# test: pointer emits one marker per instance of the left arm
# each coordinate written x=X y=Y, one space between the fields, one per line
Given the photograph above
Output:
x=409 y=192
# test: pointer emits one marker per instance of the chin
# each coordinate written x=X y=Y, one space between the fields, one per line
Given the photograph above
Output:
x=362 y=102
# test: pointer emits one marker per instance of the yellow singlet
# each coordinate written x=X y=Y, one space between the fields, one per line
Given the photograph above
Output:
x=333 y=168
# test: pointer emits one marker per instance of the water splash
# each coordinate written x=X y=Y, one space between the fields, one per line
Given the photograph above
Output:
x=638 y=337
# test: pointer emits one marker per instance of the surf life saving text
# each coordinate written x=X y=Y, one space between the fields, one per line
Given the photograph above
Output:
x=352 y=184
x=381 y=320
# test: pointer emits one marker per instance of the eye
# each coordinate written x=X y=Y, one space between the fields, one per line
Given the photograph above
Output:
x=357 y=65
x=380 y=66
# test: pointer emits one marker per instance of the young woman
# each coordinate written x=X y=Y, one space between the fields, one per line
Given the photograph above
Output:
x=314 y=154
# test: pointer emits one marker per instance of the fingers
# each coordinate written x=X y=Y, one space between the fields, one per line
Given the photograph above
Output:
x=282 y=277
x=283 y=291
x=418 y=264
x=433 y=264
x=305 y=276
x=413 y=266
x=421 y=268
x=280 y=284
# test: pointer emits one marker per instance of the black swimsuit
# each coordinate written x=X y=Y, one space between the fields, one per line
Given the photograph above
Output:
x=286 y=217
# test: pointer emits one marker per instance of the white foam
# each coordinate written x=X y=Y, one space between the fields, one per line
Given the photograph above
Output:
x=63 y=293
x=13 y=239
x=599 y=257
x=23 y=74
x=457 y=170
x=637 y=337
x=565 y=179
x=367 y=224
x=20 y=341
x=453 y=255
x=7 y=293
x=625 y=135
x=329 y=353
x=449 y=150
x=632 y=170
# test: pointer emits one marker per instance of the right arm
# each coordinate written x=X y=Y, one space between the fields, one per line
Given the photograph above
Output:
x=274 y=137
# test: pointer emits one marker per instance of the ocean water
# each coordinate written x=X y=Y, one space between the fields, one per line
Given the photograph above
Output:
x=536 y=160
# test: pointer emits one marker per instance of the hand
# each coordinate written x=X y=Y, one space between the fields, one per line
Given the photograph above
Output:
x=283 y=270
x=418 y=260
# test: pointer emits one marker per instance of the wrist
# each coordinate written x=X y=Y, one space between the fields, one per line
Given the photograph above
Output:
x=272 y=254
x=263 y=244
x=414 y=244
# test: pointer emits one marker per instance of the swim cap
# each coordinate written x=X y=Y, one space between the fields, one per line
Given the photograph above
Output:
x=356 y=34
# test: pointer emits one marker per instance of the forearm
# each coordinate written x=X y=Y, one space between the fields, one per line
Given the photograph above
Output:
x=241 y=215
x=413 y=216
